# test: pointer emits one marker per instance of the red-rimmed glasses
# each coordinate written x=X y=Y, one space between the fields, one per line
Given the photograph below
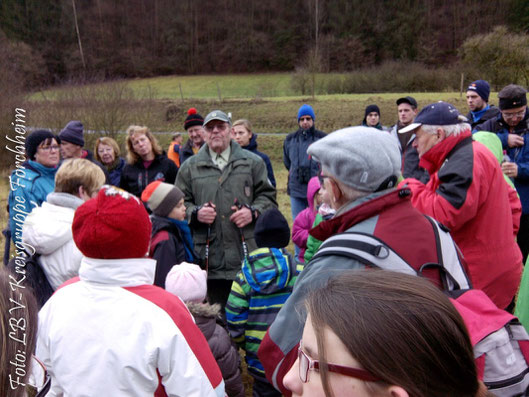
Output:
x=306 y=364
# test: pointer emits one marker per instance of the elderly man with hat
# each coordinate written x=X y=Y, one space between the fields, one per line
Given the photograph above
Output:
x=193 y=125
x=511 y=126
x=225 y=190
x=72 y=145
x=477 y=100
x=360 y=167
x=468 y=194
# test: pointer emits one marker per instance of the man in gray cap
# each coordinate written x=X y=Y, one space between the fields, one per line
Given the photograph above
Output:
x=359 y=168
x=226 y=188
x=468 y=194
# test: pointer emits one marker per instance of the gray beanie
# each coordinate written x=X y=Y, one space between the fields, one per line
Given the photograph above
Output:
x=360 y=157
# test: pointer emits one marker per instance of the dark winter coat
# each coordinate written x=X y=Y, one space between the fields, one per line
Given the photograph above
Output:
x=186 y=151
x=410 y=158
x=115 y=170
x=490 y=113
x=207 y=318
x=298 y=163
x=167 y=247
x=519 y=154
x=244 y=178
x=252 y=147
x=135 y=177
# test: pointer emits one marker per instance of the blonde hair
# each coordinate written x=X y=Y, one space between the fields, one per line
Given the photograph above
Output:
x=132 y=156
x=245 y=123
x=109 y=142
x=75 y=173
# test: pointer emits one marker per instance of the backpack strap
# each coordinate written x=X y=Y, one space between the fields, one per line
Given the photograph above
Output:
x=371 y=251
x=449 y=262
x=366 y=249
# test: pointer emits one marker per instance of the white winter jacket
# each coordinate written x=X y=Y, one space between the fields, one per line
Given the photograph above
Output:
x=48 y=229
x=112 y=333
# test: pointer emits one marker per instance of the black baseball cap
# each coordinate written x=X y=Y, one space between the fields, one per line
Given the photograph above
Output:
x=409 y=100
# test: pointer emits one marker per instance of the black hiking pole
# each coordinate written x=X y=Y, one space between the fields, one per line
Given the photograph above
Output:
x=243 y=241
x=208 y=236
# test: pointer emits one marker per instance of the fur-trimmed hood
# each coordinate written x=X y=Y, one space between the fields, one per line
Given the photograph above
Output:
x=206 y=316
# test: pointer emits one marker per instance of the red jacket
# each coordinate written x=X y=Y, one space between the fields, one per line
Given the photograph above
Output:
x=390 y=217
x=467 y=193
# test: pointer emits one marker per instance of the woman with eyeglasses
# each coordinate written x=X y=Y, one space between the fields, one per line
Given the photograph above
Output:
x=33 y=178
x=146 y=162
x=380 y=333
x=108 y=153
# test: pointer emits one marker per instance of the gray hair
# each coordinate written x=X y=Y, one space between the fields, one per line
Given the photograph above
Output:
x=450 y=130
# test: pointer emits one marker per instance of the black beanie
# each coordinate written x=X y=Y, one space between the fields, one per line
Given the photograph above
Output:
x=193 y=118
x=271 y=230
x=35 y=139
x=372 y=108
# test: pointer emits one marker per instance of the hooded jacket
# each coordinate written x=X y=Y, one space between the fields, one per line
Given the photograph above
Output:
x=252 y=147
x=29 y=187
x=243 y=178
x=48 y=229
x=305 y=219
x=468 y=194
x=298 y=163
x=110 y=332
x=208 y=318
x=261 y=288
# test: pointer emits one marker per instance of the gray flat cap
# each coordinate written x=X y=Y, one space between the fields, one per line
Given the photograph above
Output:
x=363 y=158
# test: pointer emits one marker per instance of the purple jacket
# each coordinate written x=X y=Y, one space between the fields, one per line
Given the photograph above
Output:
x=305 y=219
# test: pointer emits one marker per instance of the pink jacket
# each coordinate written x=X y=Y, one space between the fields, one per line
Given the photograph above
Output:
x=305 y=219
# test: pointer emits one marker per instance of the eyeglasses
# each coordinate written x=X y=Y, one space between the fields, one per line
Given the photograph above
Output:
x=221 y=127
x=306 y=364
x=513 y=115
x=49 y=148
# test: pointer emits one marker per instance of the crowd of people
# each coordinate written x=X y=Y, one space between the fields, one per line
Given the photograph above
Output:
x=164 y=263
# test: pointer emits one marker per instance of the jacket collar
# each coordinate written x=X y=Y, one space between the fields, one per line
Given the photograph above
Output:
x=118 y=272
x=64 y=200
x=434 y=158
x=236 y=152
x=358 y=211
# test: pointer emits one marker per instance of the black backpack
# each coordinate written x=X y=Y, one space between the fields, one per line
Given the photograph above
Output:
x=35 y=277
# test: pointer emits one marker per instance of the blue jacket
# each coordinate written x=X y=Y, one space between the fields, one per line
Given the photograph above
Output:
x=299 y=165
x=252 y=147
x=519 y=155
x=29 y=187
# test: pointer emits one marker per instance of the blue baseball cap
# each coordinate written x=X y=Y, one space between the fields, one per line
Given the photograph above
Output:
x=437 y=113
